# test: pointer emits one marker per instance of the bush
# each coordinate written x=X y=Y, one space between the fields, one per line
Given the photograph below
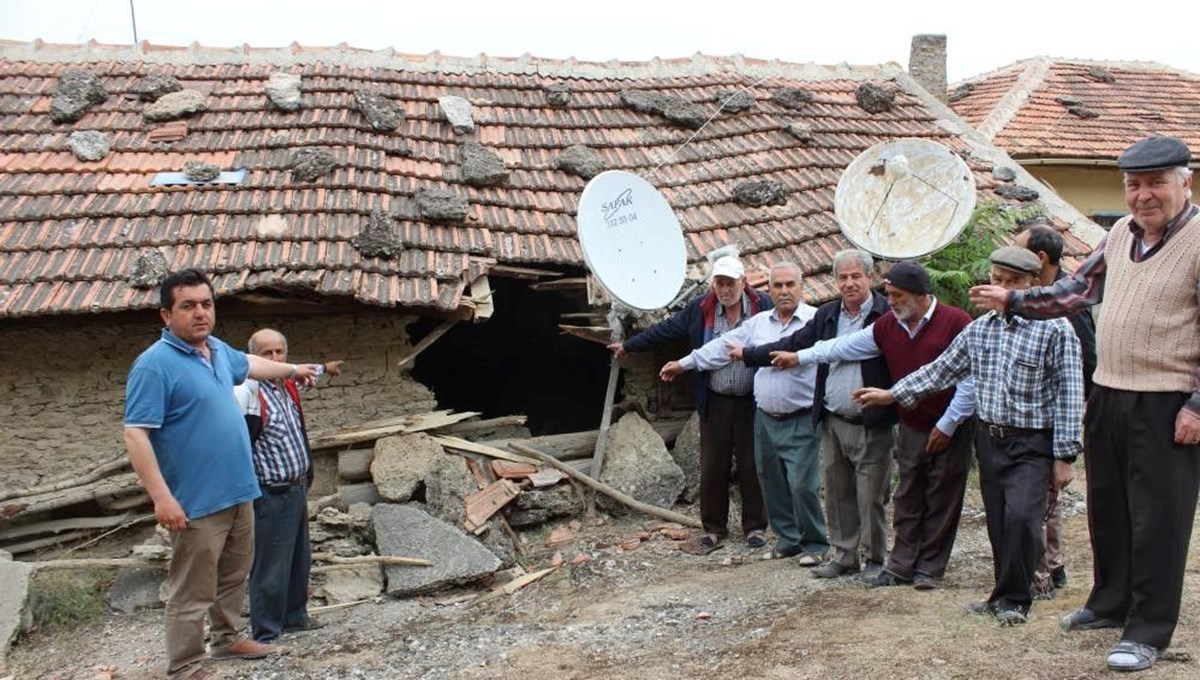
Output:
x=67 y=598
x=964 y=263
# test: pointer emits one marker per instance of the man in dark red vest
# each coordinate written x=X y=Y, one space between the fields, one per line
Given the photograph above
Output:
x=933 y=441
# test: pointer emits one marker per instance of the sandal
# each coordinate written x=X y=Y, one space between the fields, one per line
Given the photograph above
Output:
x=808 y=560
x=1129 y=656
x=756 y=539
x=702 y=545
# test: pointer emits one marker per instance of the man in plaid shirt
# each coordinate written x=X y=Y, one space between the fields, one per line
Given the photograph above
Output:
x=1029 y=402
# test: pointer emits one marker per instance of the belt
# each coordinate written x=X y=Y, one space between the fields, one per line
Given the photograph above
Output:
x=853 y=420
x=1005 y=431
x=730 y=396
x=788 y=416
x=284 y=487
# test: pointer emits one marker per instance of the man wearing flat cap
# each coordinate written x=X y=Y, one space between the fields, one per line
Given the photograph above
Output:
x=934 y=435
x=1143 y=417
x=1029 y=406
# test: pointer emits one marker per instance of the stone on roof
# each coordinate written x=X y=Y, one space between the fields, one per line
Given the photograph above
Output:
x=482 y=167
x=283 y=91
x=173 y=105
x=76 y=92
x=89 y=145
x=458 y=111
x=311 y=163
x=379 y=111
x=580 y=160
x=152 y=87
x=875 y=98
x=791 y=97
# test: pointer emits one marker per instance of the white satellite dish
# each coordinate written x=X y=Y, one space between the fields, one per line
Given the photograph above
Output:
x=631 y=240
x=904 y=199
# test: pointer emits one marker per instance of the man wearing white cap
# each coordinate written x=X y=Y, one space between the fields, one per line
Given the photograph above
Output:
x=724 y=400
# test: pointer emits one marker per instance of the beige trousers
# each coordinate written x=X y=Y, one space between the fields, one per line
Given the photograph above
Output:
x=209 y=563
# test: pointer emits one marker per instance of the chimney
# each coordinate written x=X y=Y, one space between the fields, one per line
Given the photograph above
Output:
x=927 y=64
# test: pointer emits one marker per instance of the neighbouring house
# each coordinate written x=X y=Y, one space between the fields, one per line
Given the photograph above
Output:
x=368 y=203
x=1067 y=120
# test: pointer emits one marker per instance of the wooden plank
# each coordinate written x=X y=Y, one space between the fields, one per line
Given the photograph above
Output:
x=514 y=272
x=483 y=425
x=661 y=513
x=331 y=561
x=614 y=373
x=406 y=425
x=560 y=284
x=571 y=445
x=513 y=586
x=487 y=502
x=61 y=525
x=107 y=486
x=428 y=340
x=600 y=334
x=115 y=465
x=482 y=449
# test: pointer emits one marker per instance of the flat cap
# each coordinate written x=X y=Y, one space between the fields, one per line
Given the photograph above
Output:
x=1017 y=259
x=909 y=275
x=1154 y=153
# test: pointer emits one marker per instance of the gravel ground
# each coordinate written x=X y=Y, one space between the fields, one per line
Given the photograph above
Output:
x=655 y=612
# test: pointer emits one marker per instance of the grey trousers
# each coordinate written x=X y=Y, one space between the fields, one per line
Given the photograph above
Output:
x=856 y=466
x=788 y=458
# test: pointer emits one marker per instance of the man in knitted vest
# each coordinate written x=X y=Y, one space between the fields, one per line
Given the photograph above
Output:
x=724 y=400
x=1029 y=405
x=933 y=440
x=1142 y=427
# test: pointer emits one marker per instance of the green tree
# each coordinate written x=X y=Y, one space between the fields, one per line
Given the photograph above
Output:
x=964 y=263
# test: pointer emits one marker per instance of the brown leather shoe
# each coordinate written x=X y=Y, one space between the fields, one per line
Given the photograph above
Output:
x=245 y=648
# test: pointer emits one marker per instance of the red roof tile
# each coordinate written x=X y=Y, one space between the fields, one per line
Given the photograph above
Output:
x=1023 y=108
x=71 y=232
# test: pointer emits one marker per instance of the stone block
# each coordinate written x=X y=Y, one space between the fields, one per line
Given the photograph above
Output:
x=409 y=531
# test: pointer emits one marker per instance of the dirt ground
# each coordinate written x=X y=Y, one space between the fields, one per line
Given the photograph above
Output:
x=654 y=612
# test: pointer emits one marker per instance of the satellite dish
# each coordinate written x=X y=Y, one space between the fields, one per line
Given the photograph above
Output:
x=904 y=199
x=631 y=240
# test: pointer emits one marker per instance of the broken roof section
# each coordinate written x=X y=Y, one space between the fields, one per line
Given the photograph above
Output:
x=1078 y=110
x=72 y=231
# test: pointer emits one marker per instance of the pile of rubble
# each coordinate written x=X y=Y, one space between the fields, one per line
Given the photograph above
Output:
x=401 y=507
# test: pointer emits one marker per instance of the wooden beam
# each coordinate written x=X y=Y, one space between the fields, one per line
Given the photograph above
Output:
x=61 y=525
x=428 y=340
x=512 y=586
x=513 y=272
x=115 y=465
x=654 y=511
x=600 y=334
x=482 y=449
x=614 y=373
x=418 y=422
x=560 y=284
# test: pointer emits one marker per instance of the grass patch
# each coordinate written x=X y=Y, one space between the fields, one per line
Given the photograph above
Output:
x=67 y=598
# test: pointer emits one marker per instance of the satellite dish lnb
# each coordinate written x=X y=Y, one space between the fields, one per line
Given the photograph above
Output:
x=904 y=199
x=631 y=240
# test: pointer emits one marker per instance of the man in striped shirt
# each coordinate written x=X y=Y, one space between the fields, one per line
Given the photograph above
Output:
x=283 y=463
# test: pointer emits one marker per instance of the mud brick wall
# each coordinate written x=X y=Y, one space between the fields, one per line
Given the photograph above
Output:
x=62 y=382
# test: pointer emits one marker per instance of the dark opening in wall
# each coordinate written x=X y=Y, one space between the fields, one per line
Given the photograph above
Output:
x=518 y=362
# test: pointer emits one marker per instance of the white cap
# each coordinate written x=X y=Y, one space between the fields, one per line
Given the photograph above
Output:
x=728 y=266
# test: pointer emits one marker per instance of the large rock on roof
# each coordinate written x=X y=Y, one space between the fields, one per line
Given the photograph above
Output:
x=458 y=111
x=89 y=145
x=76 y=92
x=175 y=105
x=379 y=111
x=581 y=160
x=283 y=91
x=482 y=167
x=152 y=88
x=441 y=205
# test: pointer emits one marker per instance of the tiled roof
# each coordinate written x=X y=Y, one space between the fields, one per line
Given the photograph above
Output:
x=71 y=231
x=1026 y=108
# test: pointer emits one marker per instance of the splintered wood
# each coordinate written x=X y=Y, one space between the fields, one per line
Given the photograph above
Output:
x=482 y=504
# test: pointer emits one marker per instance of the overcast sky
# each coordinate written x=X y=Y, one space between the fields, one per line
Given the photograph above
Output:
x=982 y=36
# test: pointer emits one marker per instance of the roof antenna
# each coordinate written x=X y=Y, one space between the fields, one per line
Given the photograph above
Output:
x=133 y=20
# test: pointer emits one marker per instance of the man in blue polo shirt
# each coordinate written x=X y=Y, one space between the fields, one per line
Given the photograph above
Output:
x=187 y=442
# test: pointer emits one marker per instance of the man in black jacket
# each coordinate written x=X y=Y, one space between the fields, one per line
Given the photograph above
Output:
x=724 y=400
x=856 y=444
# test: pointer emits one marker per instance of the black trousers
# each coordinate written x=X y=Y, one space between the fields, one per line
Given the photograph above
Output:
x=1015 y=470
x=726 y=435
x=1142 y=490
x=928 y=502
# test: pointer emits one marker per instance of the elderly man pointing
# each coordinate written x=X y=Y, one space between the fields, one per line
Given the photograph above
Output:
x=1142 y=427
